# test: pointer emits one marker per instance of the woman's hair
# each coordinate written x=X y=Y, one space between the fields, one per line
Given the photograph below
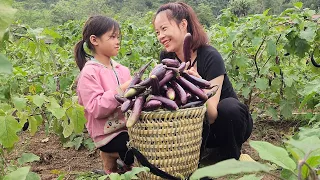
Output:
x=95 y=25
x=179 y=11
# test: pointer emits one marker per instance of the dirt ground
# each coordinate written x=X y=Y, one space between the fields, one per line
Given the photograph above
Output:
x=55 y=160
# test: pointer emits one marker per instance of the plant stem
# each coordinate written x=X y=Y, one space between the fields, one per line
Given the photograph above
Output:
x=256 y=55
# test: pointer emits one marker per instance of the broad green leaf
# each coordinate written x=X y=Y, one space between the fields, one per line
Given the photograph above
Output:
x=76 y=115
x=38 y=100
x=288 y=175
x=33 y=123
x=52 y=33
x=245 y=91
x=286 y=108
x=262 y=83
x=28 y=157
x=312 y=162
x=19 y=103
x=5 y=65
x=114 y=176
x=307 y=145
x=227 y=167
x=251 y=177
x=271 y=47
x=308 y=34
x=306 y=99
x=296 y=153
x=57 y=112
x=103 y=177
x=55 y=108
x=20 y=173
x=77 y=142
x=33 y=176
x=67 y=129
x=298 y=5
x=271 y=111
x=6 y=15
x=135 y=170
x=9 y=127
x=89 y=144
x=275 y=69
x=288 y=81
x=274 y=154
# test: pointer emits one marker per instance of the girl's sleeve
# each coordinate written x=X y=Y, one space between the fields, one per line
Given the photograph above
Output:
x=214 y=65
x=96 y=101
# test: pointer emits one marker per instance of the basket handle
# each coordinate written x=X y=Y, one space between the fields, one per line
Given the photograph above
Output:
x=153 y=169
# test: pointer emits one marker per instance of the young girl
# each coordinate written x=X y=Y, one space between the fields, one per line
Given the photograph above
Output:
x=228 y=123
x=99 y=80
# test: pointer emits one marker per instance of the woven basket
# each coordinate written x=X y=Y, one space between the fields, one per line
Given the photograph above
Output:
x=170 y=140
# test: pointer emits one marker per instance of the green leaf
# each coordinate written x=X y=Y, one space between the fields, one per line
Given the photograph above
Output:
x=28 y=157
x=286 y=108
x=274 y=154
x=251 y=177
x=9 y=128
x=245 y=91
x=298 y=5
x=262 y=83
x=271 y=47
x=52 y=33
x=77 y=142
x=77 y=117
x=67 y=129
x=308 y=34
x=38 y=100
x=20 y=173
x=5 y=65
x=19 y=103
x=6 y=15
x=271 y=111
x=288 y=175
x=55 y=108
x=33 y=123
x=114 y=176
x=135 y=170
x=307 y=145
x=306 y=99
x=33 y=176
x=230 y=166
x=312 y=162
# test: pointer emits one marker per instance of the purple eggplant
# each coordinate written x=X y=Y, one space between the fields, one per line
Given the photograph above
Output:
x=180 y=91
x=167 y=103
x=191 y=88
x=202 y=83
x=136 y=111
x=152 y=105
x=171 y=62
x=127 y=105
x=187 y=48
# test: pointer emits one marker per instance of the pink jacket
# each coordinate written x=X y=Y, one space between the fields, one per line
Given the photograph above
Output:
x=96 y=88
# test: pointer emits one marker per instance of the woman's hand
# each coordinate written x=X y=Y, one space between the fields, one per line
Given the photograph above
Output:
x=192 y=71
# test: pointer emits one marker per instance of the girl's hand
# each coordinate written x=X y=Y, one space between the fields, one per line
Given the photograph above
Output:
x=192 y=71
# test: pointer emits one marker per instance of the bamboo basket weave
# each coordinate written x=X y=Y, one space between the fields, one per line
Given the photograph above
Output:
x=170 y=140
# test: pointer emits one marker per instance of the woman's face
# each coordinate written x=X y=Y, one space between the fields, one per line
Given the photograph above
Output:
x=169 y=33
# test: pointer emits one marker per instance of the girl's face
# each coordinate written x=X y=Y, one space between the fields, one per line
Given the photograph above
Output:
x=108 y=44
x=169 y=33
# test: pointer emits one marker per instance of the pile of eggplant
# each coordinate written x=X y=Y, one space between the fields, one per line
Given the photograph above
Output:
x=168 y=87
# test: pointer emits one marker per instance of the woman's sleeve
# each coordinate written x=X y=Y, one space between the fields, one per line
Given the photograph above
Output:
x=96 y=101
x=213 y=65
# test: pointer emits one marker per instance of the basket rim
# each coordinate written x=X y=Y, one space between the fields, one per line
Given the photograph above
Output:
x=170 y=111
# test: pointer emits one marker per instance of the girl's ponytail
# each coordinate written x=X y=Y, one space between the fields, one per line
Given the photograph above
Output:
x=80 y=55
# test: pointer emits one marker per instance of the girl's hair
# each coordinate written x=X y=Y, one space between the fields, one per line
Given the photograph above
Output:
x=179 y=11
x=95 y=25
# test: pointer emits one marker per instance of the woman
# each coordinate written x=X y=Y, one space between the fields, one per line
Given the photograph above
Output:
x=228 y=123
